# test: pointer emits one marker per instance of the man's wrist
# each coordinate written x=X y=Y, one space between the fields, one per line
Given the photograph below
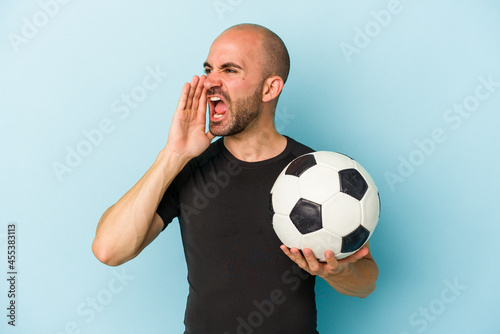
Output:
x=345 y=272
x=171 y=160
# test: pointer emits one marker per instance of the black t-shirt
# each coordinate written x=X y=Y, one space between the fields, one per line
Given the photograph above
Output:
x=239 y=279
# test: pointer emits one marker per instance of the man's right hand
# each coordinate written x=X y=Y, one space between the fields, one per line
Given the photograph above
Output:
x=187 y=137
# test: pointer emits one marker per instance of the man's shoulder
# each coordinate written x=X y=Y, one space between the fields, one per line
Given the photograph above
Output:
x=297 y=149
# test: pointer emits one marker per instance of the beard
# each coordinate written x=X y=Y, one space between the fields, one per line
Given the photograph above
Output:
x=241 y=113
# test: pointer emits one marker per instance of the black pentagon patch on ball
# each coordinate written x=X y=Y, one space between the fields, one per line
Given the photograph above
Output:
x=379 y=204
x=300 y=165
x=352 y=183
x=354 y=240
x=306 y=216
x=271 y=209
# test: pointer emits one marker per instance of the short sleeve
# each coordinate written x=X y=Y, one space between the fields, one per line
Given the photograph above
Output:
x=169 y=205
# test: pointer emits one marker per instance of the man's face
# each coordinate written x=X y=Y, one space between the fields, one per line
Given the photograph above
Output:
x=234 y=82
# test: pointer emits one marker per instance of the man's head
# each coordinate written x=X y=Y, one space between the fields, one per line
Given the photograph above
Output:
x=276 y=60
x=246 y=68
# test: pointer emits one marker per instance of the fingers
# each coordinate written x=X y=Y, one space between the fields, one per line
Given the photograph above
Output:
x=181 y=105
x=294 y=255
x=331 y=262
x=361 y=253
x=200 y=96
x=305 y=260
x=313 y=264
x=192 y=89
x=308 y=261
x=193 y=94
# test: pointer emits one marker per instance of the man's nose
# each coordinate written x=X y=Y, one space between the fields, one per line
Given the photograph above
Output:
x=213 y=80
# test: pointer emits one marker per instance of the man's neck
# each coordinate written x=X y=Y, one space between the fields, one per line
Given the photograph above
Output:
x=257 y=146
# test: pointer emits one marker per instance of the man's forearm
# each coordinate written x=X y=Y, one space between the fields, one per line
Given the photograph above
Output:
x=123 y=228
x=357 y=280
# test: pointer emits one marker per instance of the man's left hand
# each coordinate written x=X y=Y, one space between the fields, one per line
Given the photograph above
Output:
x=332 y=267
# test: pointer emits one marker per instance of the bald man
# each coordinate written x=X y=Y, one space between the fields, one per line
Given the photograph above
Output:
x=241 y=278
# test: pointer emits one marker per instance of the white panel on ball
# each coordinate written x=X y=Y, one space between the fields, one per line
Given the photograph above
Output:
x=341 y=214
x=285 y=194
x=334 y=160
x=286 y=231
x=318 y=184
x=320 y=241
x=370 y=209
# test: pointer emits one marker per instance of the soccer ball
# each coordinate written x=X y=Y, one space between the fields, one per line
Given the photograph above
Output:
x=324 y=201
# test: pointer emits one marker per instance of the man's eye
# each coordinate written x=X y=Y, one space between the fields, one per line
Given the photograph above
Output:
x=228 y=70
x=208 y=71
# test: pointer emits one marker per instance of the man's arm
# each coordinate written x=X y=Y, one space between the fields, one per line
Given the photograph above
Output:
x=355 y=275
x=128 y=226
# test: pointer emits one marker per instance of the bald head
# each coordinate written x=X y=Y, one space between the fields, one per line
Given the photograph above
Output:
x=275 y=58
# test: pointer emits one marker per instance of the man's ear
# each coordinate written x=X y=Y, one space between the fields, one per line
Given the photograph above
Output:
x=272 y=88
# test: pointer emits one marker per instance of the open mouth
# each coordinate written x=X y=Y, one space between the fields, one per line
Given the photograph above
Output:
x=218 y=108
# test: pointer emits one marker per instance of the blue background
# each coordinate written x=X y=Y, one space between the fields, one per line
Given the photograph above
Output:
x=374 y=79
